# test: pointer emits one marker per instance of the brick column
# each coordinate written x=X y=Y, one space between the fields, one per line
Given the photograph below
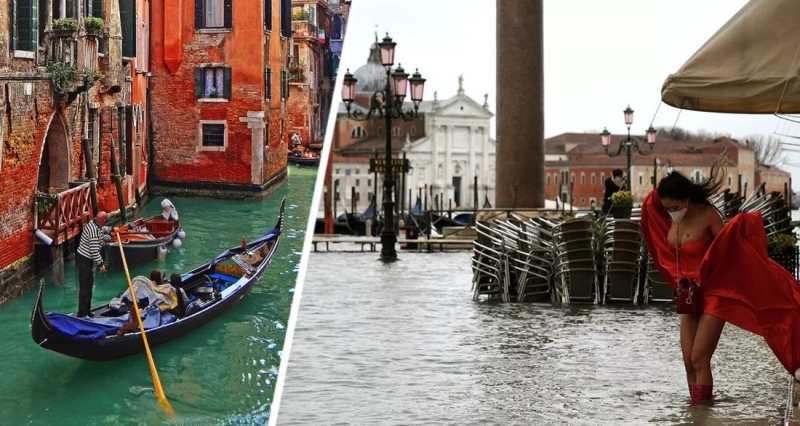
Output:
x=520 y=105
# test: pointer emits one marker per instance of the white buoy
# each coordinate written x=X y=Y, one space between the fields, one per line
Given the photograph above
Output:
x=177 y=243
x=181 y=233
x=162 y=253
x=42 y=236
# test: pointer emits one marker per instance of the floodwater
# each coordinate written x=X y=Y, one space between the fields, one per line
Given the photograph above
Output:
x=224 y=373
x=403 y=343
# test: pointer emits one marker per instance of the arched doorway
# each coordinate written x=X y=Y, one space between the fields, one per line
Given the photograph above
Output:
x=55 y=161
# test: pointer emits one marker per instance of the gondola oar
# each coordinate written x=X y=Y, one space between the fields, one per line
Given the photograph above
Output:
x=156 y=382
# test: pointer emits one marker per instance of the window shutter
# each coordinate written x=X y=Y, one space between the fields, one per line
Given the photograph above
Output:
x=199 y=82
x=226 y=82
x=286 y=18
x=228 y=14
x=268 y=15
x=97 y=8
x=14 y=35
x=127 y=17
x=198 y=14
x=268 y=83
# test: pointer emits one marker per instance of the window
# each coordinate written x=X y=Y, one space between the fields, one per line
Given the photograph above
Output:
x=572 y=180
x=583 y=200
x=594 y=179
x=286 y=18
x=592 y=203
x=698 y=176
x=268 y=15
x=268 y=83
x=603 y=178
x=369 y=182
x=211 y=14
x=213 y=135
x=730 y=181
x=358 y=182
x=396 y=131
x=127 y=18
x=413 y=131
x=284 y=84
x=641 y=179
x=583 y=180
x=25 y=25
x=548 y=178
x=358 y=132
x=555 y=178
x=212 y=82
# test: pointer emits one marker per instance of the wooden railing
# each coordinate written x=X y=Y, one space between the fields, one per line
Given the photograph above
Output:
x=60 y=216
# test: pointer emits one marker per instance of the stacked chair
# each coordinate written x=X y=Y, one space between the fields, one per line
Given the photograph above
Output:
x=575 y=244
x=621 y=259
x=489 y=264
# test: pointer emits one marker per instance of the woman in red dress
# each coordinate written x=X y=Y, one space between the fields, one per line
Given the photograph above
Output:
x=738 y=282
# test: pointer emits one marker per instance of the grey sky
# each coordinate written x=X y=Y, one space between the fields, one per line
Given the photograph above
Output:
x=600 y=56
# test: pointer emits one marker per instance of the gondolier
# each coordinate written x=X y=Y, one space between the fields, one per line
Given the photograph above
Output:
x=89 y=255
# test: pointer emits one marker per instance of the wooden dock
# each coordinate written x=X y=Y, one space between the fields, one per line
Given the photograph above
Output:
x=371 y=243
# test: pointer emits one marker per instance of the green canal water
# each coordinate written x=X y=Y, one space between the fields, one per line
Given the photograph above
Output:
x=224 y=373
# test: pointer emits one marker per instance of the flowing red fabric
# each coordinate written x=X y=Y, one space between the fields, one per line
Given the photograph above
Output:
x=740 y=283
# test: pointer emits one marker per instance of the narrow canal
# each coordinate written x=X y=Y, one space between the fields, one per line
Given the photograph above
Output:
x=404 y=344
x=224 y=373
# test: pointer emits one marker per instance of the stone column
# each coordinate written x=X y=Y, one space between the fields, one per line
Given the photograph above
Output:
x=255 y=122
x=520 y=105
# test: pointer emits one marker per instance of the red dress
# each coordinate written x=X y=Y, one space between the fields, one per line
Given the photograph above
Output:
x=739 y=282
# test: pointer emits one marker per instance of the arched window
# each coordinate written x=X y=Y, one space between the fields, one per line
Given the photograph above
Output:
x=698 y=176
x=583 y=180
x=358 y=132
x=602 y=178
x=572 y=180
x=548 y=178
x=594 y=179
x=730 y=181
x=555 y=178
x=396 y=131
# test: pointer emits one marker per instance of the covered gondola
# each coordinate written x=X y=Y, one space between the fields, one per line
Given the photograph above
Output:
x=211 y=289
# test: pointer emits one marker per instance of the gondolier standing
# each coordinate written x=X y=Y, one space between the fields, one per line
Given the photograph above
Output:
x=89 y=255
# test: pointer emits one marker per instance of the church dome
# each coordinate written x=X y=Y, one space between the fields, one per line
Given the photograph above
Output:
x=372 y=75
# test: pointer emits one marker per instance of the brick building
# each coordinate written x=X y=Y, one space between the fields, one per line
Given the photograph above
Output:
x=73 y=117
x=219 y=92
x=311 y=70
x=577 y=164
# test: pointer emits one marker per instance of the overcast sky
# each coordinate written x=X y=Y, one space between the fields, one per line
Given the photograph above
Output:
x=599 y=57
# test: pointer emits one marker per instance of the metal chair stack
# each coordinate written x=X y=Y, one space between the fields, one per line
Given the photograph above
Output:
x=621 y=253
x=530 y=251
x=575 y=267
x=773 y=208
x=488 y=263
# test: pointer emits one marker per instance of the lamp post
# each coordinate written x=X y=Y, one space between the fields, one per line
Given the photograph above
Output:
x=629 y=144
x=387 y=104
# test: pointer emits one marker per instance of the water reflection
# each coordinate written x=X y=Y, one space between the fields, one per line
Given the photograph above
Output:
x=405 y=344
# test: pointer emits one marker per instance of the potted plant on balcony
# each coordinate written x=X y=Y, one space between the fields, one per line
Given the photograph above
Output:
x=65 y=27
x=297 y=72
x=621 y=204
x=302 y=16
x=45 y=201
x=782 y=248
x=63 y=76
x=94 y=26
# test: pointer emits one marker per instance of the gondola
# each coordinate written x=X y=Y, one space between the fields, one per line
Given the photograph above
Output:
x=304 y=161
x=212 y=289
x=141 y=239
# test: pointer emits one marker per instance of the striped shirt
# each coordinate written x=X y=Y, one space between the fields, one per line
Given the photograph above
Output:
x=89 y=246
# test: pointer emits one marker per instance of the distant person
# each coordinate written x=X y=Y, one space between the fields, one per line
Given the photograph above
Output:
x=168 y=210
x=613 y=185
x=87 y=257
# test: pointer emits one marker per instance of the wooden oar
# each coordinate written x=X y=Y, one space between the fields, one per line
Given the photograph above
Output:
x=156 y=382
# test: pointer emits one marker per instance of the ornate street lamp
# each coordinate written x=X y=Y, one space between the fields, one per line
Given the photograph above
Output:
x=629 y=144
x=387 y=104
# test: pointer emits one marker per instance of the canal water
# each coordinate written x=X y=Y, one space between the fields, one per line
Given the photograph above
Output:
x=404 y=343
x=224 y=373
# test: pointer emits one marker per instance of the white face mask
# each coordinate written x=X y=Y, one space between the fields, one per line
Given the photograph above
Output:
x=677 y=215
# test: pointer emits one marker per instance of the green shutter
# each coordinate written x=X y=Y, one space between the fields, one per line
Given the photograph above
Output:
x=226 y=83
x=127 y=16
x=199 y=82
x=26 y=23
x=14 y=35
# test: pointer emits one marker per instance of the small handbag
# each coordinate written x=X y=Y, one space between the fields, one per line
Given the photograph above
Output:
x=689 y=299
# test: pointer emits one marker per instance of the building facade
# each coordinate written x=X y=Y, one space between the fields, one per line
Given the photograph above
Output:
x=70 y=138
x=577 y=166
x=219 y=92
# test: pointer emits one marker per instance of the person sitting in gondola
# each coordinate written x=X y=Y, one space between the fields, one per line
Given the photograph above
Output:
x=149 y=292
x=168 y=210
x=257 y=256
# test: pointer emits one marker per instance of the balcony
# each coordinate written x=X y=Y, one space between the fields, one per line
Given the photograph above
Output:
x=60 y=216
x=304 y=29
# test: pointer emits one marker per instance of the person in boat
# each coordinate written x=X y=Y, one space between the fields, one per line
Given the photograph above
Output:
x=257 y=256
x=721 y=270
x=87 y=257
x=168 y=210
x=148 y=292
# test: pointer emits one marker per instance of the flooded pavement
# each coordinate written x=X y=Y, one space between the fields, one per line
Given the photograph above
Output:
x=404 y=343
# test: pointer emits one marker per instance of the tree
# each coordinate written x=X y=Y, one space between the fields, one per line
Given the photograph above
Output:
x=767 y=149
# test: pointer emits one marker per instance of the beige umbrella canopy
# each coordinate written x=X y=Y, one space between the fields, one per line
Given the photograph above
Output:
x=751 y=65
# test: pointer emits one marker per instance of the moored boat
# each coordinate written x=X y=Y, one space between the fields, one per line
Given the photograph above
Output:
x=304 y=161
x=141 y=240
x=214 y=288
